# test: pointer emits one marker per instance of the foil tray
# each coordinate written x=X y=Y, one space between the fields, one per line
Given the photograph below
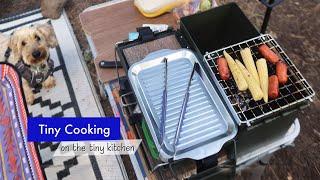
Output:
x=207 y=124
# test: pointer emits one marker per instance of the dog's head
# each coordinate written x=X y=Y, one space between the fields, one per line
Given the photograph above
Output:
x=31 y=44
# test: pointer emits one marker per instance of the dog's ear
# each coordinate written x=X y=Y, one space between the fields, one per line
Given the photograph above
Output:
x=15 y=45
x=47 y=31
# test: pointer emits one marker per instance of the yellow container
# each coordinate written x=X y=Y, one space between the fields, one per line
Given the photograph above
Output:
x=153 y=8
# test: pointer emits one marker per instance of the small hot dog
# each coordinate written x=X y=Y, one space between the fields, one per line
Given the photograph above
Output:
x=273 y=91
x=268 y=54
x=223 y=68
x=281 y=71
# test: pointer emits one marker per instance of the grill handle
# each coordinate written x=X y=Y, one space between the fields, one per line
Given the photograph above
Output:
x=269 y=4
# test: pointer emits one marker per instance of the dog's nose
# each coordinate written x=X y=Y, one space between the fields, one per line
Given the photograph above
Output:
x=36 y=54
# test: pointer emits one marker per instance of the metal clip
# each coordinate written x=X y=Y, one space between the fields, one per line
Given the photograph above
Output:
x=125 y=105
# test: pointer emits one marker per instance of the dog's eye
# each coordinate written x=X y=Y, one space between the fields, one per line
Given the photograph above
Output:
x=37 y=37
x=23 y=43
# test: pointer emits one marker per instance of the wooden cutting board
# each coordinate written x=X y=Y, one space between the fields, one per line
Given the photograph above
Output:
x=110 y=23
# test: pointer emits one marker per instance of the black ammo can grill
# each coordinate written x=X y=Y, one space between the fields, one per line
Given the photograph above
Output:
x=262 y=128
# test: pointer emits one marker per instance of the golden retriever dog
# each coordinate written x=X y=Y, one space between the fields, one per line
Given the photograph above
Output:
x=28 y=50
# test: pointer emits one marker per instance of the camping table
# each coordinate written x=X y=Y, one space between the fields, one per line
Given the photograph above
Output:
x=108 y=23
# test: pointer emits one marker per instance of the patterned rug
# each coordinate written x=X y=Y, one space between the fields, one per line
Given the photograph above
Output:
x=18 y=158
x=73 y=96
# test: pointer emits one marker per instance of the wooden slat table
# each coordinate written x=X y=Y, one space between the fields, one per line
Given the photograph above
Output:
x=110 y=23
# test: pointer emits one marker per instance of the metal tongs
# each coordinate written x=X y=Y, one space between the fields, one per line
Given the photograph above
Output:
x=184 y=103
x=164 y=102
x=184 y=106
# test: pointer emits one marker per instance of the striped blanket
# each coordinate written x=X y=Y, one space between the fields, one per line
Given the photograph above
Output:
x=18 y=158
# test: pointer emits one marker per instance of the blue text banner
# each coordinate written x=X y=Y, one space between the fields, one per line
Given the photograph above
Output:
x=73 y=129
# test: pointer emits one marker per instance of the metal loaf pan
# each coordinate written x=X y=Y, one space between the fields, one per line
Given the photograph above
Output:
x=206 y=126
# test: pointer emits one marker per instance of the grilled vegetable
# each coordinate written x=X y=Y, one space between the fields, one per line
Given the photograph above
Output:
x=281 y=71
x=249 y=63
x=273 y=91
x=223 y=68
x=267 y=53
x=254 y=86
x=236 y=73
x=263 y=75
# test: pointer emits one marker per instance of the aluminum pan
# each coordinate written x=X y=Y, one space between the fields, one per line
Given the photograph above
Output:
x=207 y=124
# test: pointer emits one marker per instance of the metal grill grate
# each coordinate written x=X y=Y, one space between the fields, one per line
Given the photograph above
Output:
x=294 y=91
